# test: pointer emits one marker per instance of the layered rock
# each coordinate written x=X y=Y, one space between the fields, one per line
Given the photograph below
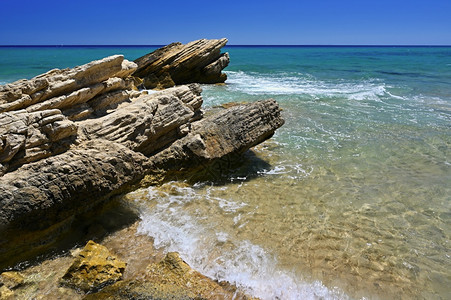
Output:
x=230 y=132
x=71 y=139
x=150 y=122
x=40 y=199
x=77 y=92
x=199 y=61
x=29 y=136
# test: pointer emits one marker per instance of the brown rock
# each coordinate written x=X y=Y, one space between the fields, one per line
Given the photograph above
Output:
x=94 y=268
x=199 y=61
x=6 y=293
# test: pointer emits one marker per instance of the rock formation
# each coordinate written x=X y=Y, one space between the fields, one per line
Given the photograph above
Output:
x=171 y=278
x=77 y=92
x=93 y=268
x=198 y=61
x=71 y=139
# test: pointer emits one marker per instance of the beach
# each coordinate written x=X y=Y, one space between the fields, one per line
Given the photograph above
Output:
x=349 y=199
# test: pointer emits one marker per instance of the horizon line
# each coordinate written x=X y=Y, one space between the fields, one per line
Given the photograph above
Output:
x=236 y=45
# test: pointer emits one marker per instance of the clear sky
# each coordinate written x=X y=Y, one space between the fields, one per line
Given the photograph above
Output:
x=304 y=22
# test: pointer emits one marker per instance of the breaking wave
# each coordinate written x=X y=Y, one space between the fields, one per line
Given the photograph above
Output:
x=300 y=84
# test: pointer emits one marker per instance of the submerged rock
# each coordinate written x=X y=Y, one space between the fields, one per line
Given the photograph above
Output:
x=171 y=278
x=94 y=268
x=199 y=61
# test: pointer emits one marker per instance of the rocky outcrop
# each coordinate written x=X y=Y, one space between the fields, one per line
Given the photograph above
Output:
x=199 y=61
x=93 y=268
x=36 y=199
x=29 y=136
x=150 y=122
x=77 y=92
x=71 y=139
x=230 y=132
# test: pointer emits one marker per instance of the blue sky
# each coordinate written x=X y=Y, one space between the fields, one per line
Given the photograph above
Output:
x=38 y=22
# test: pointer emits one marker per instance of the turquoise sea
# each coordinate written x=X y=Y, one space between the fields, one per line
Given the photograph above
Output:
x=350 y=199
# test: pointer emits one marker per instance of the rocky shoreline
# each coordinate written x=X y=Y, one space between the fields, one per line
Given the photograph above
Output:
x=72 y=139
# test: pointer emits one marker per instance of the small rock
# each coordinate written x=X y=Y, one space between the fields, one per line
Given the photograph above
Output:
x=93 y=268
x=11 y=279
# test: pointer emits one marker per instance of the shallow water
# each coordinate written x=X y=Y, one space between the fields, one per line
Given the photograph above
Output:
x=354 y=197
x=350 y=198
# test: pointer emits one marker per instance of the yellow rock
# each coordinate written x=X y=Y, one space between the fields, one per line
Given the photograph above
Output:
x=12 y=279
x=93 y=268
x=6 y=293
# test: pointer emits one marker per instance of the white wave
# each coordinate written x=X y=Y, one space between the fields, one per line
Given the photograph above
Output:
x=149 y=91
x=293 y=171
x=219 y=255
x=281 y=84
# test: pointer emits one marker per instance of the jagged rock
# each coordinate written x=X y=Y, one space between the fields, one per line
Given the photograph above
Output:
x=150 y=122
x=199 y=61
x=38 y=195
x=230 y=132
x=93 y=268
x=105 y=137
x=63 y=89
x=26 y=137
x=172 y=278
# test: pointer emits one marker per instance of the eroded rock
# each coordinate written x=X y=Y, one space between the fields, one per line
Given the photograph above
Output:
x=150 y=122
x=26 y=137
x=64 y=89
x=93 y=268
x=199 y=61
x=171 y=278
x=71 y=139
x=39 y=198
x=230 y=132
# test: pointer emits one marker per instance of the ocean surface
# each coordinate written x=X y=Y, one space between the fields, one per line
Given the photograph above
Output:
x=351 y=197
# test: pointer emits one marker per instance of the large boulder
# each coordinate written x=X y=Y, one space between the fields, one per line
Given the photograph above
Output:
x=199 y=61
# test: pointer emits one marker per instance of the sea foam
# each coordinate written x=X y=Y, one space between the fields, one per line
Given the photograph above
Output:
x=301 y=84
x=219 y=255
